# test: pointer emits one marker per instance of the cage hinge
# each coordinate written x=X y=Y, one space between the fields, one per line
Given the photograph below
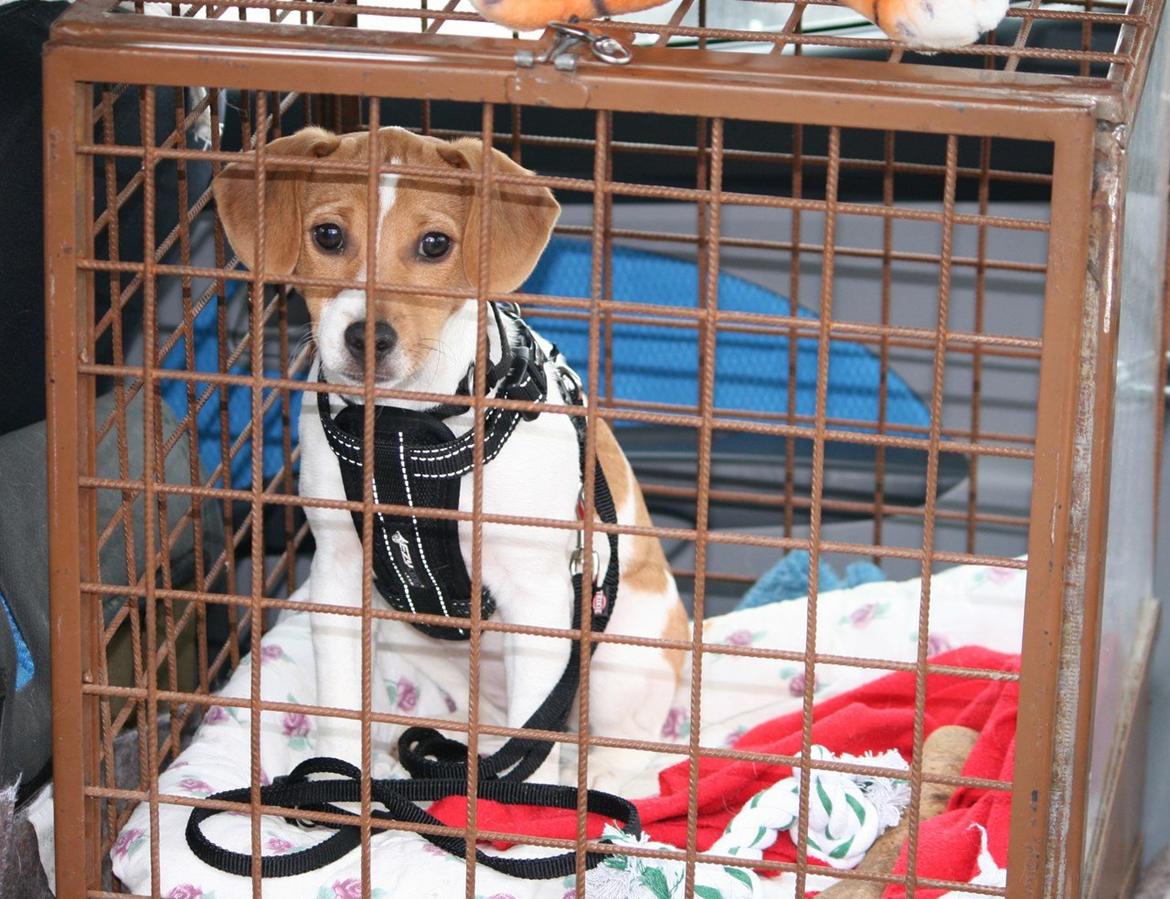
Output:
x=569 y=37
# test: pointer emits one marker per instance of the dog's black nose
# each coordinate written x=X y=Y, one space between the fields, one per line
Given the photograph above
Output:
x=384 y=339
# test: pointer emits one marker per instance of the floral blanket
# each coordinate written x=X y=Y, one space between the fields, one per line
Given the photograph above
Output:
x=969 y=605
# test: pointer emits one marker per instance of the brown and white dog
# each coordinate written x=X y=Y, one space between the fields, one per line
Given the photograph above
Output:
x=427 y=235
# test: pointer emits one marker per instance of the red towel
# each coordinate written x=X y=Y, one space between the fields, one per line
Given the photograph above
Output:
x=877 y=716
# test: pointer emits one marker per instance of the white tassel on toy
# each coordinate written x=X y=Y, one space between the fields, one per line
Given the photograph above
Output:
x=848 y=812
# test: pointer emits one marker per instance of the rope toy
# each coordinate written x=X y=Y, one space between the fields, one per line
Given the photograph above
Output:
x=847 y=814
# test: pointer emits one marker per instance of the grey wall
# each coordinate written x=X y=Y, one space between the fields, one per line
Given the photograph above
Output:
x=1156 y=808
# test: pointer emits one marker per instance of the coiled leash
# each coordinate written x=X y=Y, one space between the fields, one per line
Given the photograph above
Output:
x=418 y=567
x=398 y=797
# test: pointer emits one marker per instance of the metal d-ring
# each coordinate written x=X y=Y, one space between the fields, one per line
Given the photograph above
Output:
x=569 y=34
x=611 y=50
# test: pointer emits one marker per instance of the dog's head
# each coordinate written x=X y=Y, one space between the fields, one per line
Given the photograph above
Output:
x=427 y=233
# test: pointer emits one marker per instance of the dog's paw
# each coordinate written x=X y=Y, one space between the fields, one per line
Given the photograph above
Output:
x=939 y=24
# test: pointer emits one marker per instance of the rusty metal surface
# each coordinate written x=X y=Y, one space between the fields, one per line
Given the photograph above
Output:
x=824 y=102
x=1124 y=30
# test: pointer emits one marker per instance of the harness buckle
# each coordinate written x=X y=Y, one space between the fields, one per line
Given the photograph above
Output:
x=570 y=385
x=527 y=379
x=577 y=560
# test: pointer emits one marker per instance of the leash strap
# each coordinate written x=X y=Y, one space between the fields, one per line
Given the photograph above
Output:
x=426 y=753
x=398 y=799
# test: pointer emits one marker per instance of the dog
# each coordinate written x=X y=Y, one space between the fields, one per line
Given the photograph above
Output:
x=428 y=236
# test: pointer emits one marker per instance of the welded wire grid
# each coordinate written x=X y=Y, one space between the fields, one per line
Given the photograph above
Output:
x=157 y=703
x=1097 y=39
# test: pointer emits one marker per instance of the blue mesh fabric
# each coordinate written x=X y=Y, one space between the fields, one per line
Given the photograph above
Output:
x=660 y=363
x=25 y=664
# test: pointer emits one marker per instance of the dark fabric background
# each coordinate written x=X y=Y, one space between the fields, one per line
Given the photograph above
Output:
x=23 y=29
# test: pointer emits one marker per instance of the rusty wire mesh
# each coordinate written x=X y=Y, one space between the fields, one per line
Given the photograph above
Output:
x=1095 y=39
x=836 y=198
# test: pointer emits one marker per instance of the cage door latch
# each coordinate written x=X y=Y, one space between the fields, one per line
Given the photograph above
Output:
x=568 y=37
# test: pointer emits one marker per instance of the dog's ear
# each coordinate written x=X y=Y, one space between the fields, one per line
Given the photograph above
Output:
x=235 y=199
x=522 y=218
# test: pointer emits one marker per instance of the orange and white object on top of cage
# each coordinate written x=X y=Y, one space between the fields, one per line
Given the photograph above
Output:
x=737 y=483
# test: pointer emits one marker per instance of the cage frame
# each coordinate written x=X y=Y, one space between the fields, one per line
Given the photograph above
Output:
x=1083 y=121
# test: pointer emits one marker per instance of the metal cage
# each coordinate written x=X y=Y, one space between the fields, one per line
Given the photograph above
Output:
x=1034 y=159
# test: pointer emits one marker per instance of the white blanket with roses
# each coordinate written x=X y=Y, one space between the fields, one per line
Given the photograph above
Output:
x=969 y=605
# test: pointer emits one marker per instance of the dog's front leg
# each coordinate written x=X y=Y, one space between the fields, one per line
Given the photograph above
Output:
x=534 y=664
x=336 y=580
x=337 y=638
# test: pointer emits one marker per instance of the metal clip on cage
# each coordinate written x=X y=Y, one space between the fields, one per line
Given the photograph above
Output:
x=569 y=36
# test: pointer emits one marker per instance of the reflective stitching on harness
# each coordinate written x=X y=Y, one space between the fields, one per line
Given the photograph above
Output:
x=389 y=552
x=340 y=436
x=414 y=522
x=437 y=454
x=442 y=453
x=470 y=465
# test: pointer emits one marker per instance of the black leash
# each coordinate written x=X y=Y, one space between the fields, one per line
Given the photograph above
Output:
x=398 y=797
x=419 y=462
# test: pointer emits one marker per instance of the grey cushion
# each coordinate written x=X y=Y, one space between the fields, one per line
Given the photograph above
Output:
x=25 y=723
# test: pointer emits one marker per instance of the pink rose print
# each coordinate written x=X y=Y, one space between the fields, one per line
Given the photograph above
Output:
x=185 y=891
x=863 y=615
x=295 y=724
x=407 y=695
x=350 y=888
x=126 y=841
x=733 y=737
x=449 y=701
x=195 y=785
x=796 y=685
x=675 y=724
x=937 y=643
x=264 y=779
x=740 y=638
x=279 y=844
x=216 y=715
x=502 y=896
x=270 y=652
x=1000 y=575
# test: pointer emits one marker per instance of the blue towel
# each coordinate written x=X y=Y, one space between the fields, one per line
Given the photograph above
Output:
x=788 y=579
x=660 y=363
x=25 y=666
x=239 y=401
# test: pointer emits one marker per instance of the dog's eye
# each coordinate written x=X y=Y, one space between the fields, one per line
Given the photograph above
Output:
x=434 y=245
x=329 y=236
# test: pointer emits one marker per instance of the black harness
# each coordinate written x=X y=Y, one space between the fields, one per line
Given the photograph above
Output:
x=420 y=463
x=418 y=567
